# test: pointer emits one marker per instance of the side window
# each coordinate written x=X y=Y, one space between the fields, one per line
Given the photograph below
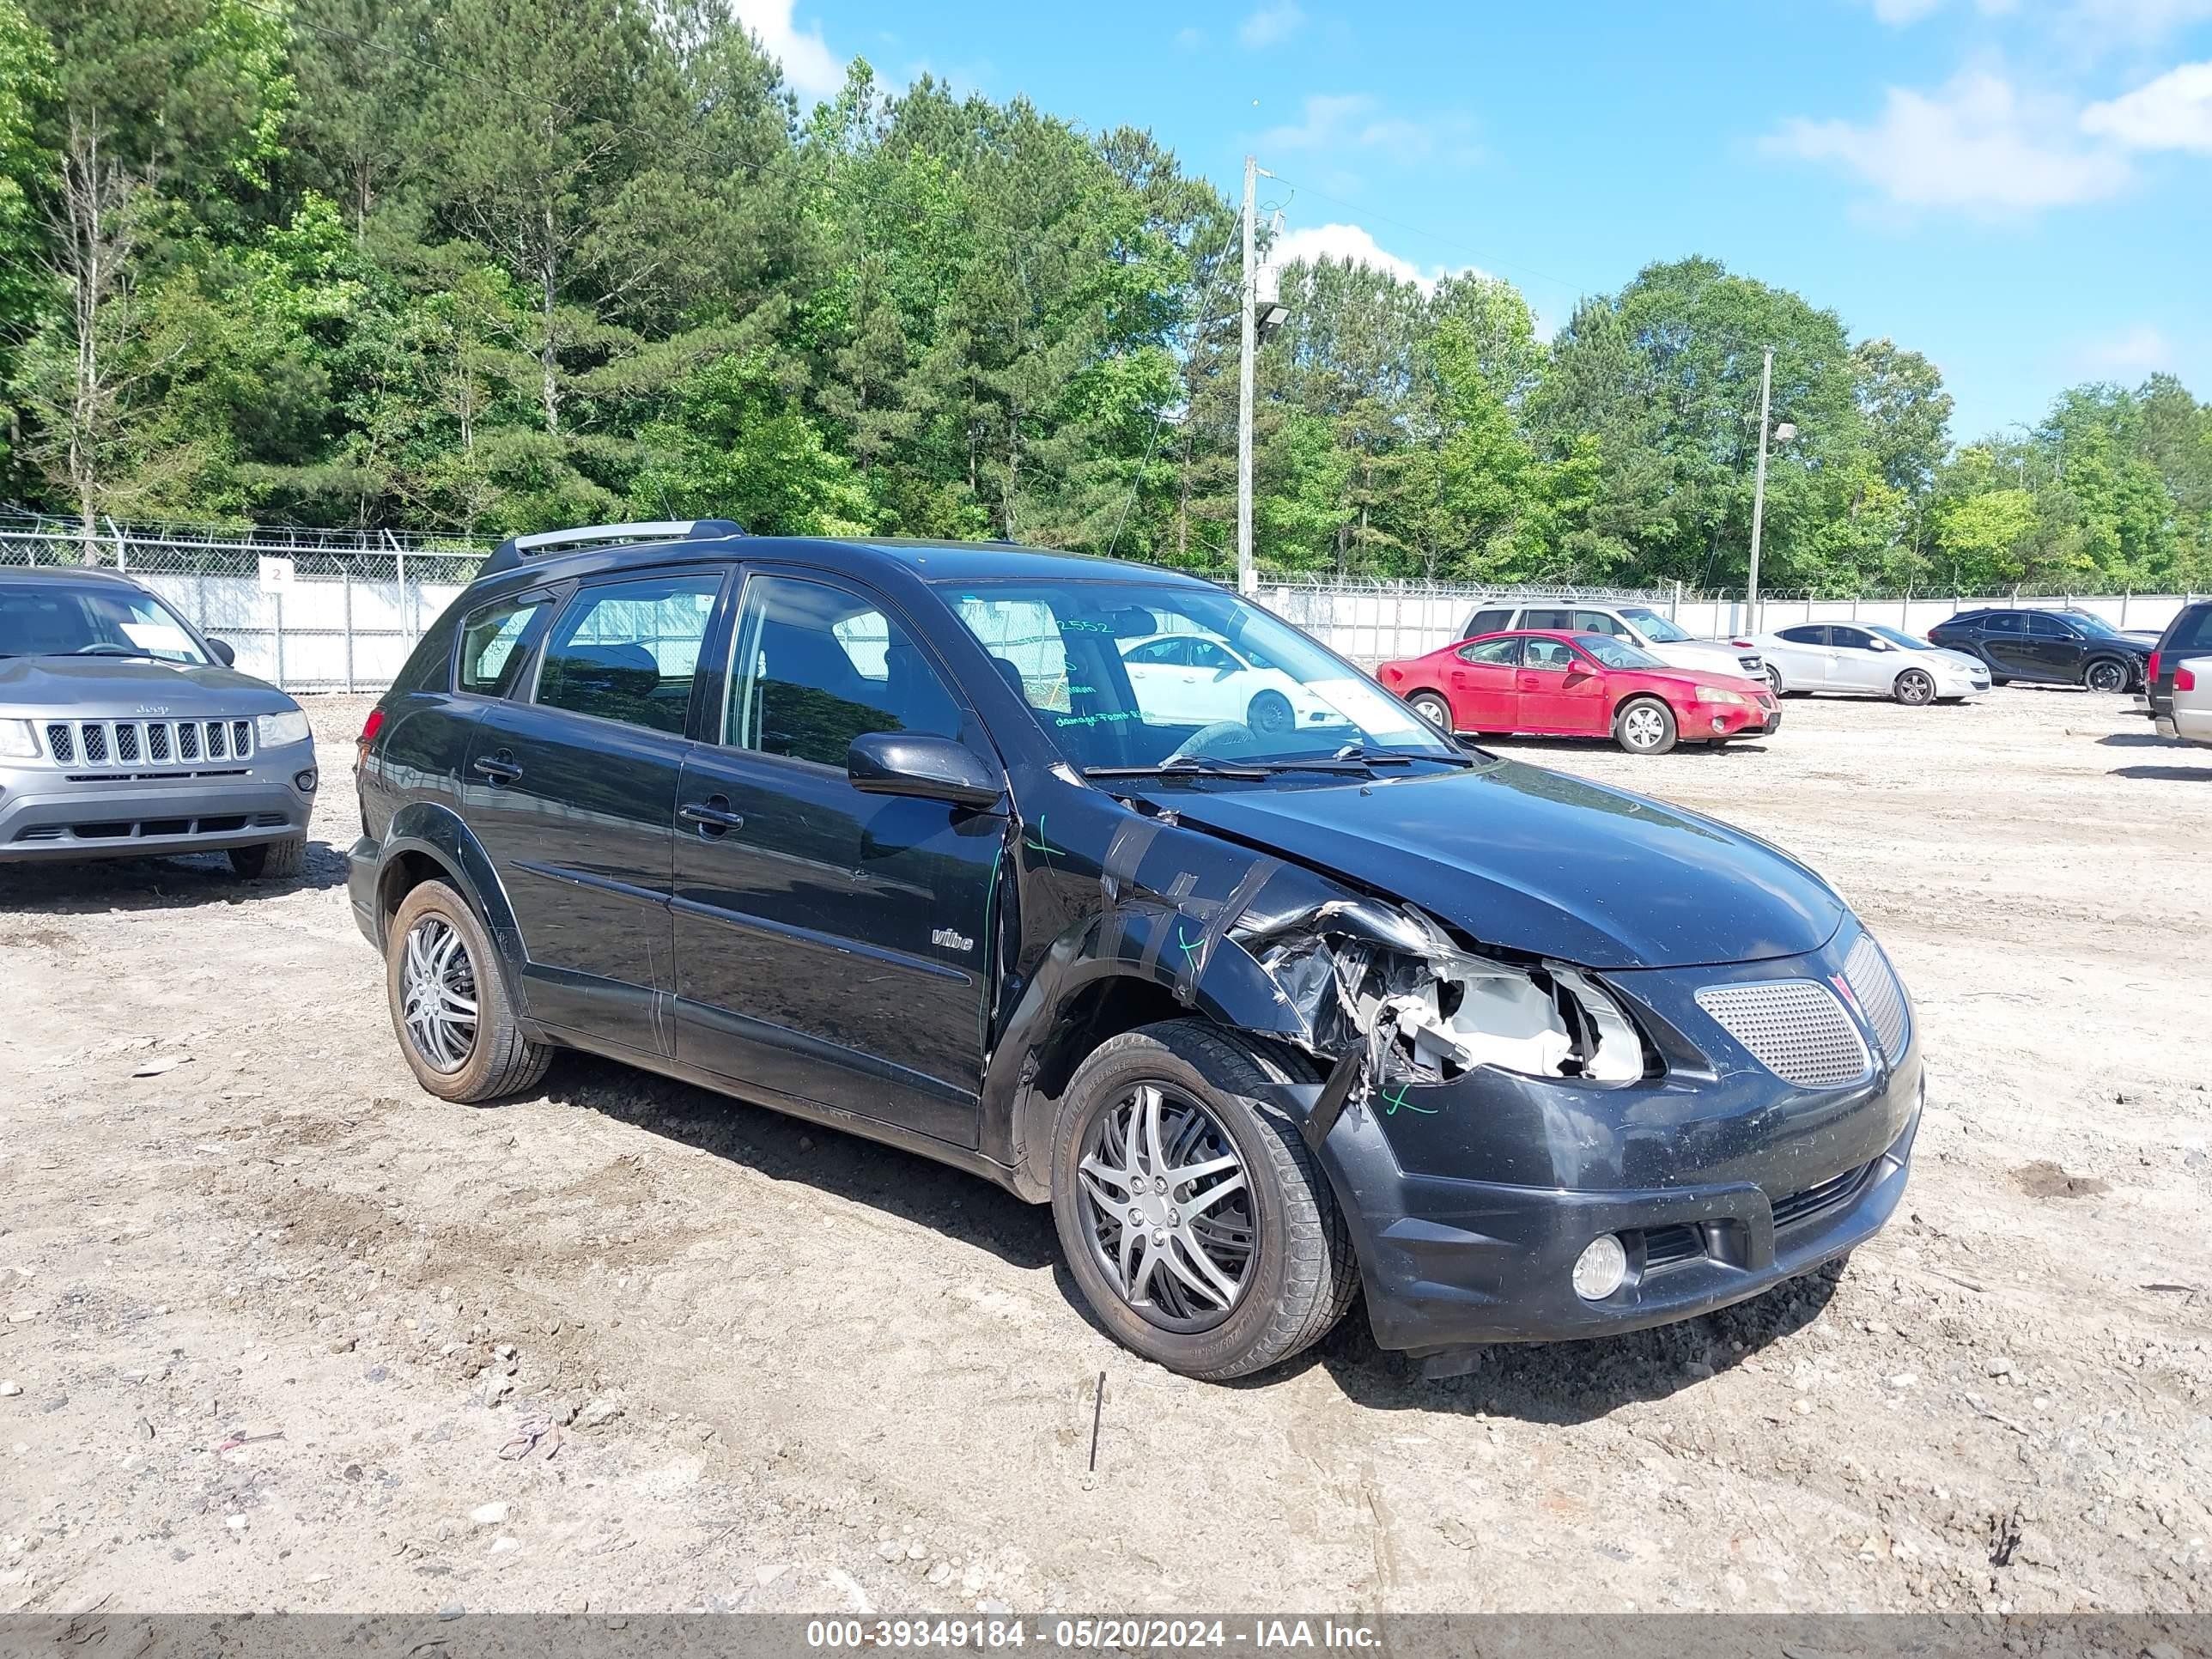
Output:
x=1488 y=622
x=627 y=651
x=2004 y=621
x=2047 y=627
x=1205 y=653
x=2191 y=630
x=800 y=684
x=1851 y=639
x=1562 y=620
x=491 y=646
x=1497 y=652
x=1598 y=621
x=1806 y=634
x=1551 y=656
x=1156 y=653
x=1023 y=640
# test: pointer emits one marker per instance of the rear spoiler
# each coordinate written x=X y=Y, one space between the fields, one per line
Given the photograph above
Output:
x=510 y=553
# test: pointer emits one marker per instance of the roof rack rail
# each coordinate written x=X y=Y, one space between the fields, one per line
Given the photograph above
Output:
x=514 y=550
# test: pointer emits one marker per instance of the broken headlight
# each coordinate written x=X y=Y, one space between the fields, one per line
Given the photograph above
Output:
x=1391 y=983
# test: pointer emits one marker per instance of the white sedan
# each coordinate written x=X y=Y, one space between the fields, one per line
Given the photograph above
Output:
x=1189 y=679
x=1867 y=660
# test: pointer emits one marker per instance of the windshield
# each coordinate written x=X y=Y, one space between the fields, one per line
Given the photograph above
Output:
x=2090 y=623
x=1136 y=674
x=1617 y=654
x=1896 y=637
x=1653 y=626
x=72 y=619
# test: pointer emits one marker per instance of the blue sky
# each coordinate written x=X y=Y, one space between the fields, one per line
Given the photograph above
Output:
x=2021 y=189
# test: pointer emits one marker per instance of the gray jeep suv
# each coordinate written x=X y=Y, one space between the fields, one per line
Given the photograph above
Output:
x=125 y=732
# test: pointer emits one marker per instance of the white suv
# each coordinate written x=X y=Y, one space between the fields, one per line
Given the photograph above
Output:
x=1639 y=624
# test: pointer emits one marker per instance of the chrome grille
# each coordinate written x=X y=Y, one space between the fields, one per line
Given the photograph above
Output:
x=1881 y=999
x=1795 y=1028
x=143 y=742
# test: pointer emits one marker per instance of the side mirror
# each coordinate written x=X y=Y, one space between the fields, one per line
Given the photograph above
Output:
x=1879 y=644
x=223 y=653
x=924 y=768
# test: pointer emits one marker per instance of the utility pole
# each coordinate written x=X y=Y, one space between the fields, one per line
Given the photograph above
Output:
x=1759 y=493
x=1247 y=578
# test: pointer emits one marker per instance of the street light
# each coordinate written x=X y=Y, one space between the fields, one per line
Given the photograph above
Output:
x=1783 y=434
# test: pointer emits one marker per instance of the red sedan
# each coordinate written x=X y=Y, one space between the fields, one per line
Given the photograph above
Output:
x=1559 y=684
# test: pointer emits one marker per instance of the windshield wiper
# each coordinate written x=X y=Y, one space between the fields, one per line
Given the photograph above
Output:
x=1358 y=754
x=1181 y=765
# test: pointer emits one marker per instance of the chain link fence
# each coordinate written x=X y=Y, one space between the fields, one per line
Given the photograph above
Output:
x=339 y=611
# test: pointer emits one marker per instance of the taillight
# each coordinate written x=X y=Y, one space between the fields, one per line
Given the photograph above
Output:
x=1742 y=645
x=369 y=728
x=2150 y=670
x=2183 y=680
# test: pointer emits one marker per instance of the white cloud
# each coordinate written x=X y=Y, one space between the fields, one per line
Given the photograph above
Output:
x=1314 y=242
x=809 y=65
x=1336 y=123
x=1271 y=25
x=1189 y=40
x=1976 y=144
x=2135 y=19
x=2141 y=350
x=2171 y=112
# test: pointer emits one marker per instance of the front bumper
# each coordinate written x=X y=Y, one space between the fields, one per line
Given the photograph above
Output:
x=48 y=817
x=1470 y=1201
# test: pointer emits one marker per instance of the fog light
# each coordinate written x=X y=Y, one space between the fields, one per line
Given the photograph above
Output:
x=1719 y=725
x=1600 y=1269
x=304 y=783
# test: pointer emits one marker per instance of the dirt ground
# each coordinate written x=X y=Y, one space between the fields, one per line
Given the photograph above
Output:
x=272 y=1314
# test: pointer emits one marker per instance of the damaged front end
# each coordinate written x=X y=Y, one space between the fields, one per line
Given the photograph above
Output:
x=1386 y=997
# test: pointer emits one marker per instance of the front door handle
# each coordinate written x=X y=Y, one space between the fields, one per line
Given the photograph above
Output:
x=712 y=817
x=496 y=768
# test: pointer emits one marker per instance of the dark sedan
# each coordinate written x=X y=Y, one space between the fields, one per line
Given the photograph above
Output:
x=2048 y=647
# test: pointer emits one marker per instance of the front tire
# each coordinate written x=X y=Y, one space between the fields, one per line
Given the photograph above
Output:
x=1644 y=725
x=2106 y=674
x=270 y=860
x=1192 y=1215
x=1914 y=688
x=1774 y=681
x=457 y=1029
x=1432 y=708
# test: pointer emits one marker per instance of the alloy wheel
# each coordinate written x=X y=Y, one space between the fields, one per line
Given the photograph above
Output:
x=1643 y=727
x=1167 y=1206
x=1913 y=686
x=438 y=994
x=1774 y=679
x=2107 y=676
x=1270 y=714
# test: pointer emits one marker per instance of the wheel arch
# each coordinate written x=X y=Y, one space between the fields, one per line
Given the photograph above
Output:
x=427 y=842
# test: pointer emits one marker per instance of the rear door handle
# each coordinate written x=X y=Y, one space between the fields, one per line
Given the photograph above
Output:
x=496 y=769
x=712 y=817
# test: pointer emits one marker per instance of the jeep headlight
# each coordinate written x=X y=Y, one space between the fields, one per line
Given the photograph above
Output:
x=18 y=741
x=275 y=731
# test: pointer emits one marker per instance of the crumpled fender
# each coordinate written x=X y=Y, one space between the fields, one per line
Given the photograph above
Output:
x=1157 y=907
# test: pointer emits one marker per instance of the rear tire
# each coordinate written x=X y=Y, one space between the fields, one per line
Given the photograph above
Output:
x=270 y=860
x=469 y=1058
x=1914 y=688
x=1644 y=725
x=1432 y=708
x=1277 y=1224
x=1270 y=714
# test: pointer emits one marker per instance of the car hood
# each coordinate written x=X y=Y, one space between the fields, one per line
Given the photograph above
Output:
x=130 y=688
x=1528 y=859
x=1701 y=653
